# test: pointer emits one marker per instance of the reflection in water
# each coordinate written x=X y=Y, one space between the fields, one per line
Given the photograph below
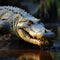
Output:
x=35 y=55
x=29 y=55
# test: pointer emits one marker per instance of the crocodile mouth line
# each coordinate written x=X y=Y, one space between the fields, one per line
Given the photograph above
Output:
x=32 y=37
x=27 y=37
x=34 y=40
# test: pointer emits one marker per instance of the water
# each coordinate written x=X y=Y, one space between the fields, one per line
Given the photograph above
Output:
x=16 y=50
x=29 y=54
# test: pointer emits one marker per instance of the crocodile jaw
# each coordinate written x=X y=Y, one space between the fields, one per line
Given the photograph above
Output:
x=31 y=32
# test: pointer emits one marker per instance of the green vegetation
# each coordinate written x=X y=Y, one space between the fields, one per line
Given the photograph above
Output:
x=58 y=3
x=48 y=2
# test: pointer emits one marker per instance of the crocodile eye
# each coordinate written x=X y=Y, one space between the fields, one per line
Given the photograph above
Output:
x=29 y=22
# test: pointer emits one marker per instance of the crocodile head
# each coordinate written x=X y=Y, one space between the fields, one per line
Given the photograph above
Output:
x=33 y=32
x=25 y=25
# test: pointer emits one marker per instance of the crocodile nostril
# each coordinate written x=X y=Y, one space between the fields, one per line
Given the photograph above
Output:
x=46 y=42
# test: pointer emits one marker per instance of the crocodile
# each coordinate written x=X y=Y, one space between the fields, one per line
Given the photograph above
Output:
x=24 y=25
